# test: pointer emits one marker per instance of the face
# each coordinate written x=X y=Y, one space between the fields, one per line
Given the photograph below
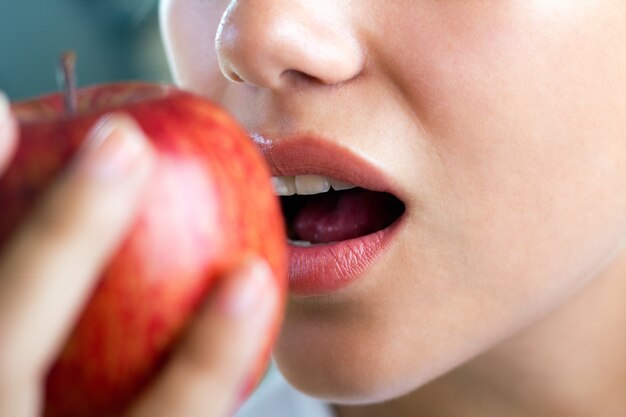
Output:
x=498 y=124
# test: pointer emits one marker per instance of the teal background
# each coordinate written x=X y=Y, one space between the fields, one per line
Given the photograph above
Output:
x=114 y=40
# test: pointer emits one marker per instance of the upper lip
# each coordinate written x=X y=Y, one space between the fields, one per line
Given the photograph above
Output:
x=312 y=155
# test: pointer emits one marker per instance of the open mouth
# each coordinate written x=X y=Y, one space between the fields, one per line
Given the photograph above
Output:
x=342 y=212
x=320 y=210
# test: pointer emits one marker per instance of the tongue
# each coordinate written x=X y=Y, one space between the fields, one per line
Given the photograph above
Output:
x=336 y=216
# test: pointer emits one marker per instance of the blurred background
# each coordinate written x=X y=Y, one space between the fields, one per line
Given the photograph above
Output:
x=114 y=40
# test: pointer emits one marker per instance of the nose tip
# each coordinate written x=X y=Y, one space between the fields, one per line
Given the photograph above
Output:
x=268 y=44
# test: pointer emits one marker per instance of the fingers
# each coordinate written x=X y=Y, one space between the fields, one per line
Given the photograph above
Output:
x=48 y=268
x=8 y=129
x=207 y=373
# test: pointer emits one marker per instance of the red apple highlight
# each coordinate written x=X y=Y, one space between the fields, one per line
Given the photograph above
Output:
x=208 y=205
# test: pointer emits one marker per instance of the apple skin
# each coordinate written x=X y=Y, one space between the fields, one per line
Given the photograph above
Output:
x=209 y=204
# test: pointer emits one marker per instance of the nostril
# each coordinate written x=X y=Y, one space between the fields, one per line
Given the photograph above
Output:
x=234 y=77
x=231 y=75
x=296 y=75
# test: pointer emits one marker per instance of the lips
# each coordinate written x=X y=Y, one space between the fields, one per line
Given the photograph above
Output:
x=335 y=236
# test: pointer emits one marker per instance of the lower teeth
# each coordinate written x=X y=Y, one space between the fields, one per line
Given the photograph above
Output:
x=301 y=243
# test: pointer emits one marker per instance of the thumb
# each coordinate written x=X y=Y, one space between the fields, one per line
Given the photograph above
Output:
x=208 y=372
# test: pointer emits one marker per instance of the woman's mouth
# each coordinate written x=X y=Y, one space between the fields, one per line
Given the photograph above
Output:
x=321 y=210
x=340 y=213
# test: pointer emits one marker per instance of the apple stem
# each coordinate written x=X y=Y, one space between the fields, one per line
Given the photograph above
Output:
x=68 y=65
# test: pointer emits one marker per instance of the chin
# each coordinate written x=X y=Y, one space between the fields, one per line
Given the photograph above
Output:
x=354 y=377
x=366 y=346
x=341 y=356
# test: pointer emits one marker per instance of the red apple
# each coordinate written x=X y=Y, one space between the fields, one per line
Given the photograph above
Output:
x=209 y=204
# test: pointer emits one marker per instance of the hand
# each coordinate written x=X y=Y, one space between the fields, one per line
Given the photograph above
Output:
x=65 y=243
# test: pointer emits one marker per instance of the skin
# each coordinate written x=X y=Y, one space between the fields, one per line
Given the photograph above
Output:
x=503 y=293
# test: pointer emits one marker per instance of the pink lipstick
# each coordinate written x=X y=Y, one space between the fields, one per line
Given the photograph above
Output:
x=335 y=236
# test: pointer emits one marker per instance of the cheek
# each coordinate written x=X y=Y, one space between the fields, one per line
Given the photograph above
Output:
x=524 y=109
x=526 y=112
x=188 y=29
x=527 y=116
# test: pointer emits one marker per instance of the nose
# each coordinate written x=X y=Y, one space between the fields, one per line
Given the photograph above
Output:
x=273 y=43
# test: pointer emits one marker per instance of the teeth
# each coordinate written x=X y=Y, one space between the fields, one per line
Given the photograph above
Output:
x=339 y=185
x=311 y=184
x=284 y=185
x=301 y=243
x=307 y=185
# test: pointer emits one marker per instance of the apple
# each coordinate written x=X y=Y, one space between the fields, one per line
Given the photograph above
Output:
x=209 y=204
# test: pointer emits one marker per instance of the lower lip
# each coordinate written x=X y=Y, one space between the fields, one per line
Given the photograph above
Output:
x=328 y=268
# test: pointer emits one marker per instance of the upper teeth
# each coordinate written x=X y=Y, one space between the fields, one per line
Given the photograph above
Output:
x=307 y=184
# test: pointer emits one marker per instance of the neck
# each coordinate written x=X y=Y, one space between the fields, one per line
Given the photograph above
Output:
x=570 y=364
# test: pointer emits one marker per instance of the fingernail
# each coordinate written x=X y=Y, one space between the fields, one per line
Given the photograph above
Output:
x=246 y=289
x=114 y=148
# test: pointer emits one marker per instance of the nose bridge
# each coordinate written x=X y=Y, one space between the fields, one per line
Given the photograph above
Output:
x=259 y=42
